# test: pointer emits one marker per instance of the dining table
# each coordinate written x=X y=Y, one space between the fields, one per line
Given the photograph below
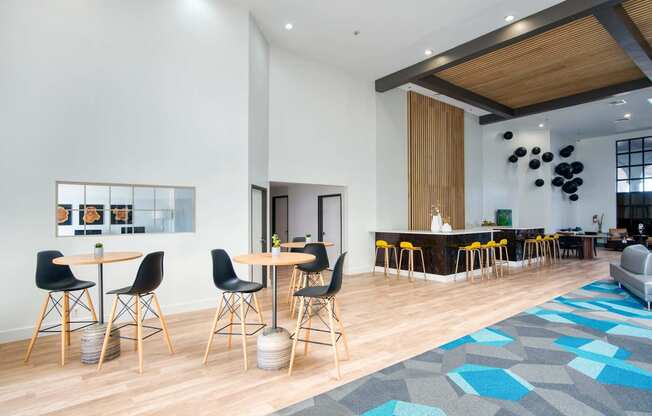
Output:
x=93 y=336
x=274 y=344
x=302 y=244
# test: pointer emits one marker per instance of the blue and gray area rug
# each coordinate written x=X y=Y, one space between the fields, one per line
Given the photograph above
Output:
x=586 y=353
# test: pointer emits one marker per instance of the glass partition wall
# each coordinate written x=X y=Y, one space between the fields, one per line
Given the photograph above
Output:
x=634 y=184
x=96 y=208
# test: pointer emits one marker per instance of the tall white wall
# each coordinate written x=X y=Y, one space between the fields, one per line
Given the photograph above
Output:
x=258 y=106
x=145 y=92
x=473 y=171
x=391 y=160
x=323 y=131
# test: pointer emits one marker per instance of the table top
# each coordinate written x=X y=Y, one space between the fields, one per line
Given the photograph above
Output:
x=301 y=244
x=108 y=257
x=584 y=235
x=266 y=259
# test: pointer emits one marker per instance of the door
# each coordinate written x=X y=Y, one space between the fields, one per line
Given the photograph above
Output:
x=329 y=209
x=258 y=226
x=280 y=217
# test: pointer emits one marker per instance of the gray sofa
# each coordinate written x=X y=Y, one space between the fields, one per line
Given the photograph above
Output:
x=635 y=272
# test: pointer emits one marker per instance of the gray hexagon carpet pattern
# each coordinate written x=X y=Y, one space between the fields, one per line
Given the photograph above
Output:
x=585 y=353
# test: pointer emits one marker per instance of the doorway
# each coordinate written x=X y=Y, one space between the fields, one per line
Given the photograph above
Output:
x=258 y=227
x=329 y=224
x=280 y=217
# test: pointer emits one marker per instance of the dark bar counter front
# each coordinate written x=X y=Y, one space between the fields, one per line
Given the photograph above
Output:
x=516 y=239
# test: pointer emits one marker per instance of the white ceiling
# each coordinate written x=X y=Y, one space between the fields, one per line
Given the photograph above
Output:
x=393 y=33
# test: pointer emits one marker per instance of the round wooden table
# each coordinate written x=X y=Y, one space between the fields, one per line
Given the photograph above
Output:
x=302 y=244
x=92 y=336
x=273 y=352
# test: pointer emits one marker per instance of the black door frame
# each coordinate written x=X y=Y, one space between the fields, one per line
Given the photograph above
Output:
x=320 y=218
x=287 y=215
x=264 y=225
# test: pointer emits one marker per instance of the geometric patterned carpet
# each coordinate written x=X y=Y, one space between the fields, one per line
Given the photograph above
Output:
x=585 y=353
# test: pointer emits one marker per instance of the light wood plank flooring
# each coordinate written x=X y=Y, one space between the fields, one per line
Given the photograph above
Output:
x=386 y=322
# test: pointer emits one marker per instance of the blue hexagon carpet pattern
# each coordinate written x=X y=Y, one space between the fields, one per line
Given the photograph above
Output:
x=588 y=352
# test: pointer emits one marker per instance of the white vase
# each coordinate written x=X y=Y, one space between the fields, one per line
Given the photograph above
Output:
x=446 y=228
x=435 y=225
x=308 y=240
x=276 y=251
x=99 y=252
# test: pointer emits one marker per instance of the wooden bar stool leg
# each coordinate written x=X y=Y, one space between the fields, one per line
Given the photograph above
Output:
x=373 y=270
x=164 y=324
x=400 y=263
x=331 y=324
x=260 y=312
x=68 y=318
x=243 y=330
x=90 y=305
x=139 y=318
x=411 y=272
x=308 y=327
x=457 y=263
x=472 y=265
x=231 y=307
x=423 y=265
x=218 y=311
x=345 y=339
x=296 y=336
x=468 y=262
x=386 y=260
x=396 y=262
x=64 y=341
x=107 y=334
x=37 y=327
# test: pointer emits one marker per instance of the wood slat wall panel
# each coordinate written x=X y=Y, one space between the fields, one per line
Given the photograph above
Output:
x=577 y=57
x=436 y=161
x=640 y=11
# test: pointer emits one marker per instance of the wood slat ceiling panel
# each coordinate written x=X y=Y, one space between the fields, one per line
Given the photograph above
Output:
x=577 y=57
x=640 y=11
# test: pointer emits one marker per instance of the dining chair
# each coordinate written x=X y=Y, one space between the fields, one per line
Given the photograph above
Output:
x=311 y=273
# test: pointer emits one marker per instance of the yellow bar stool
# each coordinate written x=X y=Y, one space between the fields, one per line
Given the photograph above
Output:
x=384 y=245
x=469 y=256
x=556 y=246
x=489 y=254
x=532 y=250
x=549 y=250
x=411 y=249
x=502 y=248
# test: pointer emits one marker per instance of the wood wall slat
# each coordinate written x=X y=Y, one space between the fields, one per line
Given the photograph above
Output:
x=435 y=161
x=640 y=11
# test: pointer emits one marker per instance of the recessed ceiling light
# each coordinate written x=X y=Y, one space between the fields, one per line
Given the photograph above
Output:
x=541 y=125
x=509 y=18
x=428 y=52
x=649 y=100
x=289 y=26
x=618 y=102
x=627 y=116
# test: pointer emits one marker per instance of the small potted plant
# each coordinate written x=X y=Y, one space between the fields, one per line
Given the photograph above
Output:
x=308 y=238
x=276 y=245
x=99 y=250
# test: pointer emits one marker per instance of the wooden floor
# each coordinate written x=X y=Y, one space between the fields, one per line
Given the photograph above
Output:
x=386 y=322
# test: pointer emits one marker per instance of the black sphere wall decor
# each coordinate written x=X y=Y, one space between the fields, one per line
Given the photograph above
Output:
x=568 y=175
x=512 y=158
x=508 y=135
x=574 y=197
x=539 y=182
x=558 y=181
x=547 y=157
x=578 y=181
x=520 y=152
x=535 y=164
x=577 y=167
x=569 y=188
x=562 y=168
x=566 y=151
x=536 y=150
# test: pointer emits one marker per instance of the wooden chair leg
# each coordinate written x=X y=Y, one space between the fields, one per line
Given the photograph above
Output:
x=64 y=340
x=243 y=329
x=296 y=336
x=260 y=312
x=231 y=312
x=396 y=262
x=218 y=311
x=164 y=324
x=139 y=327
x=411 y=265
x=107 y=334
x=37 y=327
x=90 y=305
x=68 y=319
x=308 y=327
x=472 y=252
x=468 y=262
x=423 y=264
x=345 y=339
x=135 y=329
x=386 y=261
x=400 y=264
x=329 y=306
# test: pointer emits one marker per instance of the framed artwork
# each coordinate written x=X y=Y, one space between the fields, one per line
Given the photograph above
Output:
x=64 y=214
x=121 y=214
x=504 y=217
x=91 y=214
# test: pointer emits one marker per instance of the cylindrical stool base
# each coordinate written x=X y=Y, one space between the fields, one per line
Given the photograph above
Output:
x=274 y=346
x=92 y=339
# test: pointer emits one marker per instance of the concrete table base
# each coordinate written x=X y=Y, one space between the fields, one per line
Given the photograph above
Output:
x=274 y=346
x=92 y=339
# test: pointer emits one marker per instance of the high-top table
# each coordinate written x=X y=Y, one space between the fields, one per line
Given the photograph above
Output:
x=93 y=336
x=274 y=344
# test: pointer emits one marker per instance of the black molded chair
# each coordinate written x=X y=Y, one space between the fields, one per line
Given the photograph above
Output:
x=324 y=298
x=293 y=278
x=234 y=298
x=310 y=273
x=140 y=296
x=55 y=278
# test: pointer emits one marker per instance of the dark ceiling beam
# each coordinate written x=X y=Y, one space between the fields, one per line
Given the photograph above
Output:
x=581 y=98
x=621 y=27
x=453 y=91
x=543 y=21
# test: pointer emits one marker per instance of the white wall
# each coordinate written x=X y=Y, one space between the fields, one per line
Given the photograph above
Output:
x=391 y=160
x=258 y=106
x=323 y=131
x=121 y=91
x=473 y=171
